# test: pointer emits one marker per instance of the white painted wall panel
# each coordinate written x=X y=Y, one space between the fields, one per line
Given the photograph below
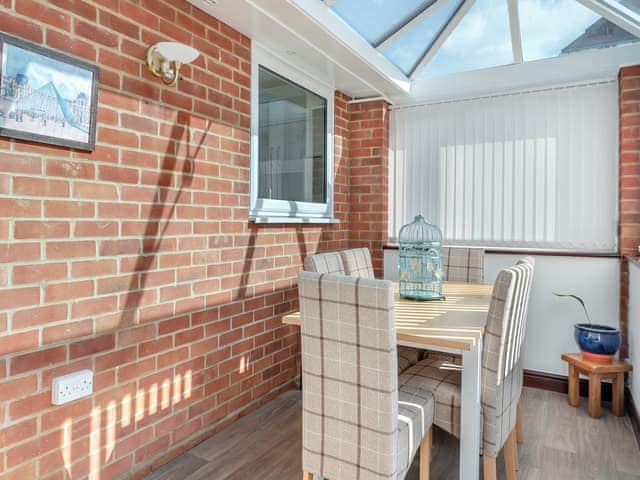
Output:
x=634 y=330
x=528 y=170
x=551 y=320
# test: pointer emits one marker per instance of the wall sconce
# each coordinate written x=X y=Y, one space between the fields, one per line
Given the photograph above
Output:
x=165 y=58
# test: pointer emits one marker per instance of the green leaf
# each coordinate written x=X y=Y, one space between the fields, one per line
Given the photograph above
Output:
x=577 y=299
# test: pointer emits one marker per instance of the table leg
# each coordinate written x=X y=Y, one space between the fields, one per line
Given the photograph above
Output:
x=470 y=413
x=617 y=402
x=594 y=395
x=574 y=386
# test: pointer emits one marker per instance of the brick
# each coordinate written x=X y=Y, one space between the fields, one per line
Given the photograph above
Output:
x=18 y=388
x=39 y=272
x=92 y=346
x=19 y=297
x=21 y=207
x=40 y=187
x=27 y=229
x=37 y=360
x=70 y=169
x=39 y=316
x=69 y=290
x=19 y=252
x=65 y=209
x=67 y=331
x=65 y=250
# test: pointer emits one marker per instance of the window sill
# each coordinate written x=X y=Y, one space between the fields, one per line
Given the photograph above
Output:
x=298 y=220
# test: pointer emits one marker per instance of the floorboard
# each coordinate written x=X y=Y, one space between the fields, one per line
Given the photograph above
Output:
x=561 y=443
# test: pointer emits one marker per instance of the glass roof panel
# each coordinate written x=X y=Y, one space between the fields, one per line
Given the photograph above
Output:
x=633 y=5
x=556 y=27
x=373 y=19
x=482 y=39
x=405 y=52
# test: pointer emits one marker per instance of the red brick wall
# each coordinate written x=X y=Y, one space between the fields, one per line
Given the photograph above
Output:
x=137 y=260
x=629 y=182
x=369 y=160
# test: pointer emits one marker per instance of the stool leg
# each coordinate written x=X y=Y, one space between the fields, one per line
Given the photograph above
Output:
x=574 y=386
x=519 y=431
x=594 y=395
x=617 y=404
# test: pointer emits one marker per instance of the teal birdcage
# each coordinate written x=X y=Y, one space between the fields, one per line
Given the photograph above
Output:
x=420 y=260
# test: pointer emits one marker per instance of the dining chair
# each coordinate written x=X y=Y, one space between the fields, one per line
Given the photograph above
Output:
x=501 y=372
x=356 y=262
x=328 y=262
x=463 y=264
x=356 y=422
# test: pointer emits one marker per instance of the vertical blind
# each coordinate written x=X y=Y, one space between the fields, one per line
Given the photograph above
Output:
x=536 y=170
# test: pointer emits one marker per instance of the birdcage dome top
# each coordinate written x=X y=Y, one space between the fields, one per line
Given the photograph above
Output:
x=419 y=231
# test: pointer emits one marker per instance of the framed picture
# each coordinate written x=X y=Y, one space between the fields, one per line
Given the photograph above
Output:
x=47 y=96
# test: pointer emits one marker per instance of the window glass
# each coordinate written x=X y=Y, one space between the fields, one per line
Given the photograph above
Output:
x=374 y=19
x=292 y=140
x=482 y=39
x=556 y=27
x=633 y=5
x=405 y=52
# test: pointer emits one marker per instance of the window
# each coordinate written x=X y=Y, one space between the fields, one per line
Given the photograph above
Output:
x=291 y=145
x=536 y=170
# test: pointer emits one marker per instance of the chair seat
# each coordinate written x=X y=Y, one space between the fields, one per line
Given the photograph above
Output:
x=443 y=379
x=415 y=417
x=407 y=356
x=445 y=357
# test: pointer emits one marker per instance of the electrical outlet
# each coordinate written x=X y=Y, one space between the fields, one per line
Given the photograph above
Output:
x=72 y=386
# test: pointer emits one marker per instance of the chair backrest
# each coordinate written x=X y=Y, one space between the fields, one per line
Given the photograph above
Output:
x=463 y=264
x=329 y=262
x=357 y=262
x=349 y=373
x=501 y=364
x=506 y=320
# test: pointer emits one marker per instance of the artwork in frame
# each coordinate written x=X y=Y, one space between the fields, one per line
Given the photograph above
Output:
x=47 y=96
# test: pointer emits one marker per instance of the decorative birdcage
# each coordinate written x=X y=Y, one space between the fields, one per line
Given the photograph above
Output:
x=420 y=260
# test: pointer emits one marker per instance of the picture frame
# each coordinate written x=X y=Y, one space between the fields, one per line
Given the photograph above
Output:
x=47 y=96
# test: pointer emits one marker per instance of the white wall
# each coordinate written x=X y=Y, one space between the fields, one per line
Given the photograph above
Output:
x=551 y=319
x=634 y=330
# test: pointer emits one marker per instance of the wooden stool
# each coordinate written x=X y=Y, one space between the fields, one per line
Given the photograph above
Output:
x=596 y=372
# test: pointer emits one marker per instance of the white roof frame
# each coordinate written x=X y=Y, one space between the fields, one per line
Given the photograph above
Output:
x=514 y=26
x=617 y=14
x=442 y=36
x=420 y=15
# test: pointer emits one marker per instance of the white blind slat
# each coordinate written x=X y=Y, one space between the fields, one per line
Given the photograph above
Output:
x=535 y=170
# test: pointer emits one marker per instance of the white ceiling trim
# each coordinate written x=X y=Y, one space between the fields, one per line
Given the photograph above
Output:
x=514 y=26
x=617 y=14
x=586 y=66
x=406 y=27
x=441 y=38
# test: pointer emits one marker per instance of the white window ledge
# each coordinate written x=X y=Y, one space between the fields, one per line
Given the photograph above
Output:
x=276 y=219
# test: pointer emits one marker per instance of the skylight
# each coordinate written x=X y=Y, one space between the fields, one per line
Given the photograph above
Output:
x=429 y=38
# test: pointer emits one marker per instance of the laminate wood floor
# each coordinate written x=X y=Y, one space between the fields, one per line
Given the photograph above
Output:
x=561 y=443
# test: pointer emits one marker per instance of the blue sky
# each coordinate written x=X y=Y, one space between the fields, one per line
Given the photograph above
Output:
x=69 y=80
x=481 y=40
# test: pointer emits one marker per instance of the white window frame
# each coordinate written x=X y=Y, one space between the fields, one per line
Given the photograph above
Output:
x=264 y=210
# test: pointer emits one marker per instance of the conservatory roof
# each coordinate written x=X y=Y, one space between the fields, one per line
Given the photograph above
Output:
x=433 y=38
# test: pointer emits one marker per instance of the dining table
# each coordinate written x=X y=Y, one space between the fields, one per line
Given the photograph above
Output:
x=452 y=325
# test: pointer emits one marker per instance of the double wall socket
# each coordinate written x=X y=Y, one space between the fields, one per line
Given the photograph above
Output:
x=72 y=386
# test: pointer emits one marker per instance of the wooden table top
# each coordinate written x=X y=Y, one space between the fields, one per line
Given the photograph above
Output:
x=454 y=323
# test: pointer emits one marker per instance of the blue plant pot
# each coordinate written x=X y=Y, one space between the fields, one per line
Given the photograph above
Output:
x=598 y=339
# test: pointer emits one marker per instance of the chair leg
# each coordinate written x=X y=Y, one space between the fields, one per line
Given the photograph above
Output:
x=489 y=467
x=511 y=456
x=425 y=455
x=519 y=427
x=307 y=476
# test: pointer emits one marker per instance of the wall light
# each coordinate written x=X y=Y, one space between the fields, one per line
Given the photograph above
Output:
x=165 y=58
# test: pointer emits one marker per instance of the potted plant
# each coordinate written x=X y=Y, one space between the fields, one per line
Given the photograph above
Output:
x=598 y=343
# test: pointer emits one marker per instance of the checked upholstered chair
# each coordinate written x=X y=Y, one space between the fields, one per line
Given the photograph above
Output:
x=463 y=264
x=501 y=372
x=356 y=422
x=356 y=262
